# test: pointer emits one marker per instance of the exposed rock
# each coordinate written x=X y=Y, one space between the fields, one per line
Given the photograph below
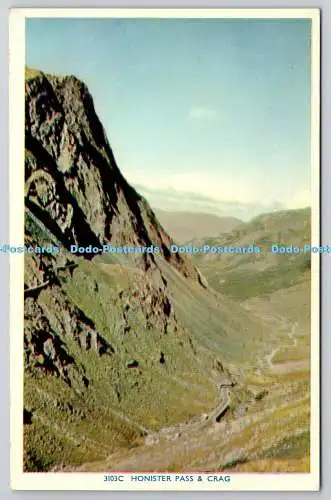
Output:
x=27 y=417
x=95 y=330
x=73 y=184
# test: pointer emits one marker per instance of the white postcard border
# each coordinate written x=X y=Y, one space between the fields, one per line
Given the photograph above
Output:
x=95 y=481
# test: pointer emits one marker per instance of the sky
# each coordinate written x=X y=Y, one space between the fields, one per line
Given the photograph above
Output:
x=205 y=115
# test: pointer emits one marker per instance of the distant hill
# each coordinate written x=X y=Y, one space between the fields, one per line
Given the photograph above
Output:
x=131 y=362
x=243 y=276
x=185 y=226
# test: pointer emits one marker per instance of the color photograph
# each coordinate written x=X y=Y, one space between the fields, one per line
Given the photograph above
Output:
x=167 y=184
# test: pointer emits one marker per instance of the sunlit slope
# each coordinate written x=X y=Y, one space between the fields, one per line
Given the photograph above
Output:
x=106 y=314
x=242 y=276
x=217 y=323
x=106 y=358
x=120 y=348
x=108 y=366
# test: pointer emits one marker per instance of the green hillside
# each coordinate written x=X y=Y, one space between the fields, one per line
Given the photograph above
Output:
x=130 y=361
x=242 y=276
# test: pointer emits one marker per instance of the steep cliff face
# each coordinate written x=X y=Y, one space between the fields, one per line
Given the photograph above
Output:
x=105 y=356
x=72 y=181
x=117 y=345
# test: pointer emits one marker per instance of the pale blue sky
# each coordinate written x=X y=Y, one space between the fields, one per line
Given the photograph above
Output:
x=207 y=115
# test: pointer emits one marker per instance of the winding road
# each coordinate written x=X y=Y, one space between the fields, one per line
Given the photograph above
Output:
x=206 y=420
x=294 y=342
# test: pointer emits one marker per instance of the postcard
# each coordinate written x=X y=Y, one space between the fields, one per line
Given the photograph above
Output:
x=164 y=249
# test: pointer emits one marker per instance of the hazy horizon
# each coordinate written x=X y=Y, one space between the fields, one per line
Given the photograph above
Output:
x=214 y=214
x=208 y=116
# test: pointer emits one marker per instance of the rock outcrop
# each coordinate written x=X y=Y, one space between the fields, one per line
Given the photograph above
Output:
x=73 y=184
x=87 y=317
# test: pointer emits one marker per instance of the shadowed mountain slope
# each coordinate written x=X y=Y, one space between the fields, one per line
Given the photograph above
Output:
x=116 y=345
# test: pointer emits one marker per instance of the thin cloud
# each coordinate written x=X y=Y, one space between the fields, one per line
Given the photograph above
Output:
x=170 y=199
x=202 y=113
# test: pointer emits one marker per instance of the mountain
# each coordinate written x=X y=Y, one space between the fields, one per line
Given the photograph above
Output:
x=186 y=226
x=242 y=276
x=275 y=288
x=128 y=354
x=110 y=342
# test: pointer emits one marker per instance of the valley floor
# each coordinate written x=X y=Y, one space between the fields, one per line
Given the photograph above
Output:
x=259 y=425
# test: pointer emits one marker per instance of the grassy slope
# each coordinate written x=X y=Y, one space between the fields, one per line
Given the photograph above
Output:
x=270 y=435
x=73 y=426
x=268 y=426
x=271 y=288
x=244 y=276
x=88 y=428
x=218 y=323
x=119 y=403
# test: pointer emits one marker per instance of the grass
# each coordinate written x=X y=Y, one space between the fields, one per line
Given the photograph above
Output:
x=273 y=435
x=291 y=354
x=119 y=402
x=59 y=435
x=241 y=285
x=293 y=446
x=288 y=465
x=243 y=276
x=97 y=406
x=217 y=323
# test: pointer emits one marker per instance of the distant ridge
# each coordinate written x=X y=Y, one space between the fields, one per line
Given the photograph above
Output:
x=184 y=226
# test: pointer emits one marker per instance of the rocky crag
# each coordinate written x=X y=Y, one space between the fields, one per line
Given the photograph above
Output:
x=114 y=345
